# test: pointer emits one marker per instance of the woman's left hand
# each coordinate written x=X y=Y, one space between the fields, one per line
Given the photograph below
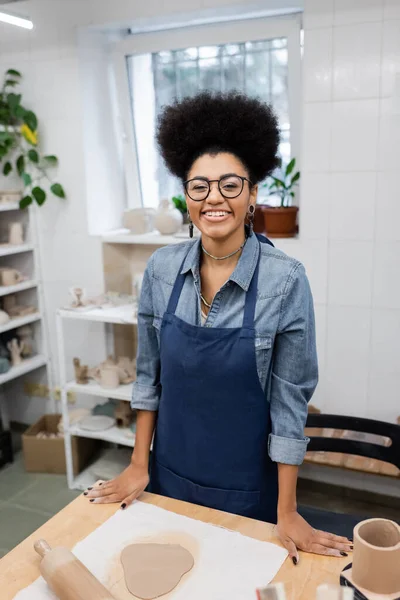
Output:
x=295 y=533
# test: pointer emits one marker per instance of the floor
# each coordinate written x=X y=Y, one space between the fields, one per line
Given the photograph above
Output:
x=27 y=500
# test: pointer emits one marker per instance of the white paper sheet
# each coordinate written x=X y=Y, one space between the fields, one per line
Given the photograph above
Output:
x=227 y=564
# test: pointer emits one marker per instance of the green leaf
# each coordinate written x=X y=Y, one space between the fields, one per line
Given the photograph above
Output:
x=58 y=190
x=13 y=101
x=39 y=195
x=31 y=120
x=26 y=201
x=290 y=167
x=5 y=137
x=10 y=83
x=7 y=168
x=33 y=156
x=26 y=178
x=278 y=182
x=13 y=73
x=19 y=112
x=51 y=160
x=20 y=164
x=295 y=178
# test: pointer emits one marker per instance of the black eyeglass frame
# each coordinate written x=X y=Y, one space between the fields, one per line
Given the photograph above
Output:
x=209 y=181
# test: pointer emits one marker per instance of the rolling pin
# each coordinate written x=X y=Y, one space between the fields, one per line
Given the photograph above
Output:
x=67 y=576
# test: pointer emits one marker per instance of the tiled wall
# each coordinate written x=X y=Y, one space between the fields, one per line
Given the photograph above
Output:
x=350 y=211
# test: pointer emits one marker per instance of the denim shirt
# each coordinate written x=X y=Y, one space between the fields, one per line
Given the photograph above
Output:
x=284 y=323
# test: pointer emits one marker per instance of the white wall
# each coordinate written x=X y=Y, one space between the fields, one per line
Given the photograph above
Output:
x=350 y=241
x=350 y=210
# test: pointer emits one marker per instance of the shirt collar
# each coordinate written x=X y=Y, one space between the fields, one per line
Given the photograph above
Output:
x=243 y=273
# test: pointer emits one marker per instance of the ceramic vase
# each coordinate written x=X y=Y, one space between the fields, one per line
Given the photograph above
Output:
x=16 y=234
x=139 y=220
x=376 y=557
x=168 y=219
x=109 y=377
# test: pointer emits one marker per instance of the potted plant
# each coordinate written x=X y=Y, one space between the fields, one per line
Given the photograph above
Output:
x=180 y=203
x=280 y=221
x=19 y=145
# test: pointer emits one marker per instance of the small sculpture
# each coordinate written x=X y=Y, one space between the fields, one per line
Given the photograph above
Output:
x=4 y=317
x=104 y=373
x=81 y=372
x=15 y=348
x=16 y=310
x=15 y=234
x=10 y=276
x=25 y=336
x=78 y=294
x=123 y=414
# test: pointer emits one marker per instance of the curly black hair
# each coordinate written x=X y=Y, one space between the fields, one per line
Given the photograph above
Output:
x=213 y=122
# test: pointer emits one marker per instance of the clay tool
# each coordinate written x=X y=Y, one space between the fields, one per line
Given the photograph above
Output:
x=274 y=591
x=67 y=576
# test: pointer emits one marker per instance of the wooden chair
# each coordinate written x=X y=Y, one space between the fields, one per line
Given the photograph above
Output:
x=386 y=447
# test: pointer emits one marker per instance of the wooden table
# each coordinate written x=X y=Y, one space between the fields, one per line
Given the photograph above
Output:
x=20 y=567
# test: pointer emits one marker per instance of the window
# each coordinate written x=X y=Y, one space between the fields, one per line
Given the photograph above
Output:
x=259 y=66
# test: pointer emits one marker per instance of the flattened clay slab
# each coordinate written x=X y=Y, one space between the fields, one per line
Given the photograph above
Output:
x=152 y=570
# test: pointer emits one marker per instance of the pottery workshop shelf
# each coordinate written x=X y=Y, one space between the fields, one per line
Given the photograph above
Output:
x=6 y=206
x=113 y=435
x=20 y=321
x=19 y=287
x=122 y=392
x=122 y=315
x=9 y=250
x=110 y=318
x=30 y=364
x=108 y=465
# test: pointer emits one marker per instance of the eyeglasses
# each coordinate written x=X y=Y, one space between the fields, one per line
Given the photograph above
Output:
x=230 y=186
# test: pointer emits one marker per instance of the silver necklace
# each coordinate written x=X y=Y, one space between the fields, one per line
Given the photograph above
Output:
x=223 y=257
x=204 y=301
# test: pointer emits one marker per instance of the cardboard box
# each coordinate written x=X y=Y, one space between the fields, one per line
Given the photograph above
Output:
x=46 y=455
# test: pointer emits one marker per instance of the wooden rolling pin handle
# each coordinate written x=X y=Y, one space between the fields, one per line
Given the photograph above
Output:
x=42 y=547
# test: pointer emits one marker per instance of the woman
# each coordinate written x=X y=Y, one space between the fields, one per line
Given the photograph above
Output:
x=226 y=355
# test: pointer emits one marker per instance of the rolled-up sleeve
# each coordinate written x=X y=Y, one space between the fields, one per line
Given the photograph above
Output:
x=295 y=371
x=147 y=389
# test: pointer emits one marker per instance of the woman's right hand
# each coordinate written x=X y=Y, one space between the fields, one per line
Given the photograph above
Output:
x=125 y=488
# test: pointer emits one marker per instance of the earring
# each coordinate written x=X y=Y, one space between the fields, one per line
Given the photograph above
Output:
x=191 y=227
x=250 y=217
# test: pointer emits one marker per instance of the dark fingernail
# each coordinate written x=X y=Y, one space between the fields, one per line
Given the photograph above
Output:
x=294 y=559
x=351 y=547
x=92 y=500
x=344 y=553
x=85 y=493
x=100 y=484
x=123 y=506
x=90 y=488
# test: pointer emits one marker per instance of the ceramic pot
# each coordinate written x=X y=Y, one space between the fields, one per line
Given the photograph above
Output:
x=139 y=220
x=168 y=219
x=109 y=377
x=10 y=276
x=16 y=234
x=376 y=557
x=280 y=222
x=4 y=317
x=259 y=222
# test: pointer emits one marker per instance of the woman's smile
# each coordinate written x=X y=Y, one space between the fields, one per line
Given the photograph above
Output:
x=216 y=216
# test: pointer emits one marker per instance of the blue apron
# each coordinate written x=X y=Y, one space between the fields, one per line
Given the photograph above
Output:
x=211 y=439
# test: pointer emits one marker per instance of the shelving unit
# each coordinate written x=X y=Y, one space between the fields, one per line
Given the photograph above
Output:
x=27 y=256
x=120 y=315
